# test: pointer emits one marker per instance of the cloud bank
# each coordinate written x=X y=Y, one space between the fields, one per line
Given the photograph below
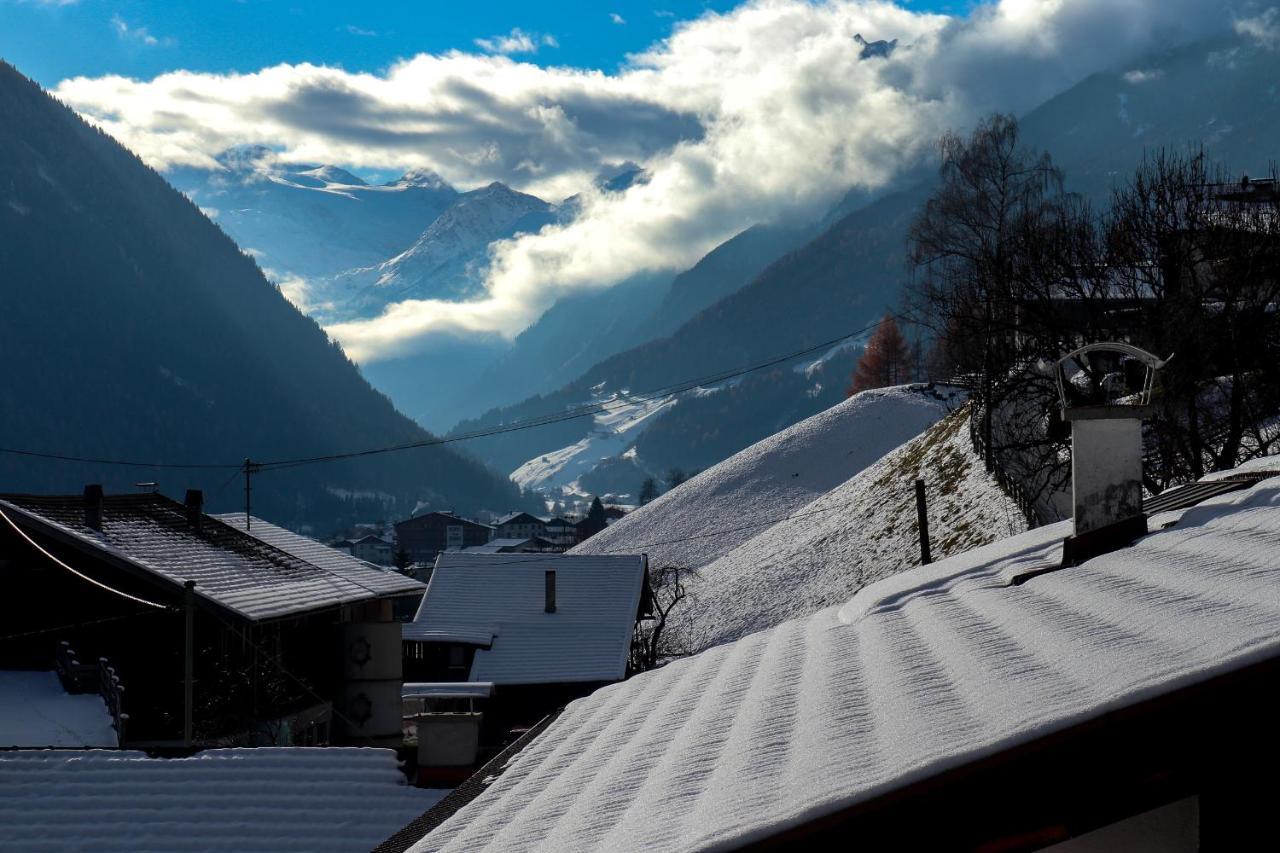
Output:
x=737 y=118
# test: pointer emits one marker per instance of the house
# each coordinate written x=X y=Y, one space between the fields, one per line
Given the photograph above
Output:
x=519 y=525
x=561 y=532
x=535 y=545
x=1101 y=684
x=218 y=800
x=425 y=536
x=215 y=632
x=541 y=629
x=373 y=549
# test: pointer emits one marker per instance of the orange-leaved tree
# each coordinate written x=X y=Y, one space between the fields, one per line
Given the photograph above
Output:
x=886 y=360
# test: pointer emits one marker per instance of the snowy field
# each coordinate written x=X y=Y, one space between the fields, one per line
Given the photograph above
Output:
x=729 y=503
x=859 y=532
x=36 y=711
x=613 y=431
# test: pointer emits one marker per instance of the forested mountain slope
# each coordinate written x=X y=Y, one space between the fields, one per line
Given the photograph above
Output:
x=133 y=328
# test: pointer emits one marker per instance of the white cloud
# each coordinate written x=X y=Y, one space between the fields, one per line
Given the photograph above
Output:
x=616 y=18
x=1263 y=28
x=137 y=35
x=516 y=41
x=360 y=31
x=737 y=118
x=1143 y=75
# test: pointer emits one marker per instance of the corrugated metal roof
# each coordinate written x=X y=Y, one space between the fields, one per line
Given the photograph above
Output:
x=1190 y=495
x=245 y=574
x=241 y=800
x=919 y=673
x=497 y=600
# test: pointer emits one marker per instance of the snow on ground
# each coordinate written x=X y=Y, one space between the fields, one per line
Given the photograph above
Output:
x=270 y=800
x=853 y=535
x=36 y=711
x=611 y=434
x=724 y=506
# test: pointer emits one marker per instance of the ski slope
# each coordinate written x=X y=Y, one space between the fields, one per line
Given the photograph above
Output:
x=729 y=503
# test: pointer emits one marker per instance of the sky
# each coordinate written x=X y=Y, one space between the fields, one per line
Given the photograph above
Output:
x=51 y=40
x=739 y=112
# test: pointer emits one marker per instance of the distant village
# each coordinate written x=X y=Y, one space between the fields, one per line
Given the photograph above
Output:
x=413 y=545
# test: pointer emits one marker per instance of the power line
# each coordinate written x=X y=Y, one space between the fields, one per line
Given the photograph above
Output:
x=586 y=410
x=79 y=574
x=579 y=412
x=121 y=462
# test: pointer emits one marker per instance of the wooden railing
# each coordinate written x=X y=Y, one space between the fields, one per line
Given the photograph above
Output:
x=1008 y=483
x=100 y=678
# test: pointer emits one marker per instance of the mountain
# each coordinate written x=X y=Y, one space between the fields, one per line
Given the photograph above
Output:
x=448 y=258
x=135 y=329
x=312 y=222
x=1219 y=94
x=572 y=335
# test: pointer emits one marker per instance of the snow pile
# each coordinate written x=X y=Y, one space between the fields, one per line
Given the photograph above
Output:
x=36 y=711
x=729 y=503
x=242 y=800
x=858 y=533
x=920 y=673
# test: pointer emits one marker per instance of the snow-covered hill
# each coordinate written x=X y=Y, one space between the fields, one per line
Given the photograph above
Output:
x=311 y=222
x=612 y=432
x=724 y=506
x=862 y=530
x=446 y=261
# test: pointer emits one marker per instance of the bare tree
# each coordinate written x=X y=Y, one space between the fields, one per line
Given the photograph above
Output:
x=1200 y=257
x=651 y=645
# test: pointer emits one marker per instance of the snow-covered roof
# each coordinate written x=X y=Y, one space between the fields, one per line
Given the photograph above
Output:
x=919 y=673
x=518 y=518
x=316 y=553
x=245 y=574
x=498 y=600
x=242 y=800
x=496 y=546
x=36 y=711
x=724 y=506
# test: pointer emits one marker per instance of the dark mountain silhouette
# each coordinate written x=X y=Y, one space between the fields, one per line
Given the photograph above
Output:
x=133 y=328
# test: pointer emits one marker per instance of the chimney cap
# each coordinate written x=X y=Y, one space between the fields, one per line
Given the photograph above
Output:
x=1138 y=399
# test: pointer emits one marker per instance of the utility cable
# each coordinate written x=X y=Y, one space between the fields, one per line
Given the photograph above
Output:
x=79 y=574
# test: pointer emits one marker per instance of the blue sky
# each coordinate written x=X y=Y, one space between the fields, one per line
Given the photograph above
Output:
x=51 y=40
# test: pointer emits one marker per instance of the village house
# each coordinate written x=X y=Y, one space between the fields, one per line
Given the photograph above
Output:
x=373 y=549
x=536 y=630
x=562 y=532
x=533 y=545
x=1098 y=685
x=214 y=631
x=519 y=525
x=426 y=536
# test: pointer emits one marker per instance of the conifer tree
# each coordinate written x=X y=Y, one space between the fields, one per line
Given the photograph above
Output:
x=886 y=360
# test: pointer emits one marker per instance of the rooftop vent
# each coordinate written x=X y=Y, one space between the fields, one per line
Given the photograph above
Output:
x=550 y=604
x=1105 y=389
x=195 y=509
x=93 y=506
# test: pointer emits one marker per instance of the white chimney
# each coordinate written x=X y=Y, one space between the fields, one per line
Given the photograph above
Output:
x=1106 y=456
